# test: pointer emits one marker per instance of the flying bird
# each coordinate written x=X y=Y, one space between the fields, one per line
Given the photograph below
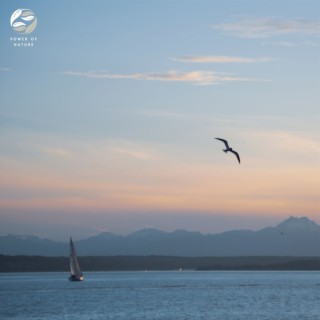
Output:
x=229 y=149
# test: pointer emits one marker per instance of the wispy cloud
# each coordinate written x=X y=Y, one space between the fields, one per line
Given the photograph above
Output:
x=280 y=44
x=220 y=59
x=106 y=149
x=195 y=77
x=267 y=27
x=291 y=44
x=4 y=69
x=129 y=150
x=57 y=152
x=290 y=141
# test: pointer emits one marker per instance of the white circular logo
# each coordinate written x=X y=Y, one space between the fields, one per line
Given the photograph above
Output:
x=23 y=21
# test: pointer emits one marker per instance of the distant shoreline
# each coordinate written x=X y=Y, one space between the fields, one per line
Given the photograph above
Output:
x=159 y=263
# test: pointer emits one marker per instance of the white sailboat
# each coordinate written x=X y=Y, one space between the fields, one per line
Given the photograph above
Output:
x=75 y=271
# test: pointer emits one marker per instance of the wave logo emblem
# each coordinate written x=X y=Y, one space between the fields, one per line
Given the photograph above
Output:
x=23 y=21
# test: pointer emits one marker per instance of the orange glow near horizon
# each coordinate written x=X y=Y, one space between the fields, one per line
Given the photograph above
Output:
x=183 y=187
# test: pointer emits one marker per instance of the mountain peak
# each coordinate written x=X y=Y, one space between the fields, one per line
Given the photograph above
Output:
x=184 y=233
x=296 y=224
x=146 y=232
x=24 y=237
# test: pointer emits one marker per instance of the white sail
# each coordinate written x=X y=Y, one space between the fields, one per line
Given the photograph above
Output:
x=75 y=270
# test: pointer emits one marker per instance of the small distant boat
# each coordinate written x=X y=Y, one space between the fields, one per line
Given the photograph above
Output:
x=75 y=271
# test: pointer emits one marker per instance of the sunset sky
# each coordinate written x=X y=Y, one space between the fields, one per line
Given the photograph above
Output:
x=108 y=122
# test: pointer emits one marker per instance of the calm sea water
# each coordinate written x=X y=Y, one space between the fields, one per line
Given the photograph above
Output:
x=161 y=295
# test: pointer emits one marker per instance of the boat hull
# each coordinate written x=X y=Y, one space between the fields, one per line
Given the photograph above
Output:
x=76 y=278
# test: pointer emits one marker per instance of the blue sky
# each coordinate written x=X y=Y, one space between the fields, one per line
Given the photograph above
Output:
x=108 y=121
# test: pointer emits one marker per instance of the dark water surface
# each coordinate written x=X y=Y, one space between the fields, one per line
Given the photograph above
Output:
x=161 y=295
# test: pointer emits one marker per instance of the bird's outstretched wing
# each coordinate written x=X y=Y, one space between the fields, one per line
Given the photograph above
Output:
x=224 y=141
x=236 y=154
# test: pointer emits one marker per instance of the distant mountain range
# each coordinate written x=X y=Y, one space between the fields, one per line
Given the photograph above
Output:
x=292 y=237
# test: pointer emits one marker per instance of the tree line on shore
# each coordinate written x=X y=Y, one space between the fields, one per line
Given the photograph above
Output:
x=142 y=263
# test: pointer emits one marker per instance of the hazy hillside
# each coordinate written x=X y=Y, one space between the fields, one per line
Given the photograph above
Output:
x=292 y=237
